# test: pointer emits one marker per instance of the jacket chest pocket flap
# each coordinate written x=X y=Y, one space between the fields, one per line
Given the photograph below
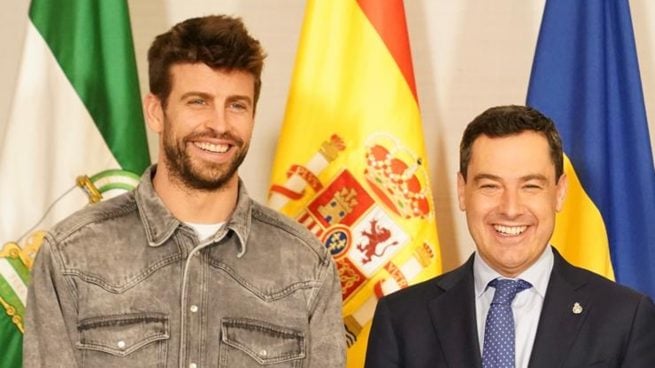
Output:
x=121 y=335
x=266 y=343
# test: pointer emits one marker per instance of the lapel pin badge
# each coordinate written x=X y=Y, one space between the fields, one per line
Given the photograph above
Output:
x=577 y=308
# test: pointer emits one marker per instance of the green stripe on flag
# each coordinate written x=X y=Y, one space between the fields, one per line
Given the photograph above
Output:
x=20 y=269
x=109 y=180
x=92 y=42
x=11 y=299
x=11 y=345
x=10 y=296
x=114 y=173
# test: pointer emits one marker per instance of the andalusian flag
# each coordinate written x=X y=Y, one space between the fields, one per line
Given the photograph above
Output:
x=350 y=163
x=76 y=111
x=586 y=78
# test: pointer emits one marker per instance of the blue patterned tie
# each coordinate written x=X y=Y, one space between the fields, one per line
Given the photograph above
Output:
x=498 y=347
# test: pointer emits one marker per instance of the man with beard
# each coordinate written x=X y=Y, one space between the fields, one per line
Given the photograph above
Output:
x=187 y=270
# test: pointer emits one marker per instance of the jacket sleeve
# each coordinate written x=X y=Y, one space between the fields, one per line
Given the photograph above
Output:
x=382 y=350
x=640 y=351
x=327 y=343
x=49 y=322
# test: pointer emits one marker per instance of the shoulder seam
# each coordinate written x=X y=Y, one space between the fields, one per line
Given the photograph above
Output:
x=58 y=236
x=259 y=212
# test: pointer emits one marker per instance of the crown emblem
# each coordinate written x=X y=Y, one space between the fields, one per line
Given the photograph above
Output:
x=397 y=176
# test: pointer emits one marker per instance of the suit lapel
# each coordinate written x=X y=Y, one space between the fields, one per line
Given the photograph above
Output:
x=453 y=317
x=564 y=311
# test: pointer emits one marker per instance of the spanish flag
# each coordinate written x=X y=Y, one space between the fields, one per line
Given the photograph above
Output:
x=351 y=163
x=585 y=76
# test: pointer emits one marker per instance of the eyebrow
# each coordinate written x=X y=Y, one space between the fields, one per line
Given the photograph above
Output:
x=528 y=177
x=483 y=176
x=195 y=94
x=210 y=96
x=538 y=177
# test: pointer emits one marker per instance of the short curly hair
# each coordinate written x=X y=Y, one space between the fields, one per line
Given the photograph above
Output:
x=219 y=41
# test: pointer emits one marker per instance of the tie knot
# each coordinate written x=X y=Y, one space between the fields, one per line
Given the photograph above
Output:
x=506 y=289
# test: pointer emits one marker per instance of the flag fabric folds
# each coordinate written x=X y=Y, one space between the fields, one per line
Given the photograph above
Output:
x=585 y=77
x=76 y=111
x=350 y=162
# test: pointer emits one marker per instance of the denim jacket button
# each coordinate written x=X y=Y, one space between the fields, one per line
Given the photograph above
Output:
x=194 y=308
x=121 y=344
x=263 y=353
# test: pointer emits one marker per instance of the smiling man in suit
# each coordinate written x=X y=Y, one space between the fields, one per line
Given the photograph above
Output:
x=516 y=302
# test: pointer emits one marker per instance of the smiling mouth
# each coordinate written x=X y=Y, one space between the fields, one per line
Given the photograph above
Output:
x=214 y=148
x=510 y=230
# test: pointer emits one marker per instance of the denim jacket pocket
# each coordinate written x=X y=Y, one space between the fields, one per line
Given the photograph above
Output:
x=246 y=341
x=127 y=340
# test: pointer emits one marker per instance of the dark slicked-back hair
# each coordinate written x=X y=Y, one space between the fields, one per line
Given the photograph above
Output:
x=219 y=41
x=502 y=121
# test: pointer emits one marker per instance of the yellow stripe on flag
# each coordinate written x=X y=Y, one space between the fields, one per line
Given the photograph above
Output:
x=580 y=233
x=351 y=164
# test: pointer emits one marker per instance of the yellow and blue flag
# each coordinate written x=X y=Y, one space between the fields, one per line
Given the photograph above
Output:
x=585 y=77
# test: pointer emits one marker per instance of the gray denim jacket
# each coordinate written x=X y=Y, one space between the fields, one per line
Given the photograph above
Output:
x=124 y=284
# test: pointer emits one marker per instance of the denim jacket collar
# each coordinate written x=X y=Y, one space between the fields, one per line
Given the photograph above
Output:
x=160 y=224
x=240 y=220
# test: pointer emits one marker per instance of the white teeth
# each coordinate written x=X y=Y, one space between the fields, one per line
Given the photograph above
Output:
x=216 y=148
x=510 y=230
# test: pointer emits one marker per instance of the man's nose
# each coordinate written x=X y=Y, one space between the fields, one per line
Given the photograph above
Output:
x=217 y=121
x=510 y=203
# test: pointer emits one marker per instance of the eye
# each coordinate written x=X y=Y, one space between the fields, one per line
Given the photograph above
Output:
x=532 y=187
x=197 y=101
x=489 y=188
x=238 y=106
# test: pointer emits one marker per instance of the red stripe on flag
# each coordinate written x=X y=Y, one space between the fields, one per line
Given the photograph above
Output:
x=388 y=18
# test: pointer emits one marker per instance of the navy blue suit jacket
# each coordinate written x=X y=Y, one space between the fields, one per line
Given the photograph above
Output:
x=433 y=324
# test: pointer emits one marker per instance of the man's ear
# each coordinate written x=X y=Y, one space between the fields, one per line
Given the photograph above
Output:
x=562 y=188
x=154 y=113
x=461 y=186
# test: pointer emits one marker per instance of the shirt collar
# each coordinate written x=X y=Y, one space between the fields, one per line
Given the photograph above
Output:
x=160 y=224
x=538 y=274
x=241 y=218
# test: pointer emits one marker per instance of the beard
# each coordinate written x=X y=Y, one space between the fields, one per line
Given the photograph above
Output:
x=205 y=176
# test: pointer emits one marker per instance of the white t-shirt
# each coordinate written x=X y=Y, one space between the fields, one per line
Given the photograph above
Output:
x=205 y=231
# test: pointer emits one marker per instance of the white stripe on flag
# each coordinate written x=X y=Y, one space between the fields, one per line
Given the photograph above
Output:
x=49 y=140
x=117 y=179
x=13 y=279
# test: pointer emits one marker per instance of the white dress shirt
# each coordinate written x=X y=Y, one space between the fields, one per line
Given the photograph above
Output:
x=526 y=306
